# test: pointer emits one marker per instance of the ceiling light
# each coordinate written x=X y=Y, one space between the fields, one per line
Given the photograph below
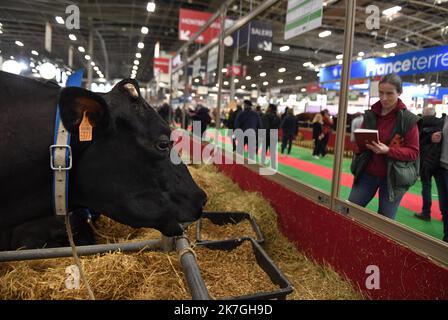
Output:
x=243 y=87
x=141 y=45
x=359 y=58
x=284 y=48
x=136 y=62
x=236 y=80
x=47 y=71
x=72 y=37
x=224 y=70
x=196 y=80
x=34 y=52
x=323 y=65
x=422 y=79
x=59 y=20
x=226 y=83
x=298 y=78
x=11 y=66
x=134 y=68
x=392 y=54
x=280 y=81
x=433 y=84
x=92 y=64
x=96 y=68
x=258 y=58
x=390 y=45
x=324 y=34
x=265 y=83
x=253 y=85
x=144 y=30
x=138 y=55
x=1 y=32
x=391 y=11
x=282 y=70
x=87 y=57
x=339 y=56
x=384 y=55
x=19 y=43
x=32 y=65
x=303 y=90
x=306 y=64
x=81 y=49
x=248 y=77
x=151 y=6
x=340 y=61
x=263 y=74
x=361 y=54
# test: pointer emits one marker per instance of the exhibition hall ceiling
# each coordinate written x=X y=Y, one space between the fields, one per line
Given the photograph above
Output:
x=116 y=27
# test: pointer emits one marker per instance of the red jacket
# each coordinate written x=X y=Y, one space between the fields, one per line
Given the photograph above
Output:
x=405 y=150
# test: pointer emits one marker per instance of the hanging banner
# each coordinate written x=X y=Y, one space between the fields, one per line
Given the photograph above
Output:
x=259 y=37
x=48 y=37
x=190 y=21
x=196 y=67
x=161 y=65
x=428 y=60
x=302 y=16
x=212 y=59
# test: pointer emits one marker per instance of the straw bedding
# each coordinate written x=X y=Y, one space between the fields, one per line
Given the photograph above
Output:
x=157 y=275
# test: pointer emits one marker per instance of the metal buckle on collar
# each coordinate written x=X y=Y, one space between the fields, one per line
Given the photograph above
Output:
x=60 y=146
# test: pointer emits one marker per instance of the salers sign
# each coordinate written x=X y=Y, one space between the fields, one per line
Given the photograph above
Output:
x=433 y=59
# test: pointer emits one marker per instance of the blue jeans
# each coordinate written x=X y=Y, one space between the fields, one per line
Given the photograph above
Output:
x=426 y=196
x=364 y=190
x=441 y=177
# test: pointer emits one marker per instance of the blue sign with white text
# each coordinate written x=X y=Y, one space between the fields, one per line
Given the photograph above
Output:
x=259 y=38
x=433 y=59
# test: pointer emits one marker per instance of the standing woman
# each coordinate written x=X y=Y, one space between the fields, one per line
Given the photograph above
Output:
x=318 y=135
x=392 y=164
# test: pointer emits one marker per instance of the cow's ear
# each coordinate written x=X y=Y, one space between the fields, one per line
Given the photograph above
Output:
x=74 y=102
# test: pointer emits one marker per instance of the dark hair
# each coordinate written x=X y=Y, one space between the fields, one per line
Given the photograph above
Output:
x=394 y=80
x=247 y=103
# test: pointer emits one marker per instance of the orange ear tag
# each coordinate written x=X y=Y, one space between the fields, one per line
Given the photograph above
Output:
x=85 y=129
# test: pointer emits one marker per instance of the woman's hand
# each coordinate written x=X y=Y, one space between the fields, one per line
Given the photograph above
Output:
x=436 y=137
x=378 y=148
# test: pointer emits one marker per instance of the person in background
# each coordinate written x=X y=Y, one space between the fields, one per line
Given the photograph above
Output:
x=356 y=124
x=202 y=115
x=178 y=115
x=284 y=114
x=231 y=122
x=270 y=121
x=249 y=119
x=290 y=128
x=318 y=135
x=327 y=128
x=165 y=112
x=441 y=174
x=258 y=110
x=429 y=158
x=392 y=164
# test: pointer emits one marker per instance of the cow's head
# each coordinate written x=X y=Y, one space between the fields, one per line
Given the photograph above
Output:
x=125 y=172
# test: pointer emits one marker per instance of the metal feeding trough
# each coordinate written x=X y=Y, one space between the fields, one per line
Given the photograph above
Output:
x=264 y=262
x=223 y=218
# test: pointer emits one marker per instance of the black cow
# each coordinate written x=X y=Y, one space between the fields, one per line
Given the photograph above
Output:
x=125 y=172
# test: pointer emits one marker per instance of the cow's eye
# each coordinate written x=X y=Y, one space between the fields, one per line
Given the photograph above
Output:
x=163 y=145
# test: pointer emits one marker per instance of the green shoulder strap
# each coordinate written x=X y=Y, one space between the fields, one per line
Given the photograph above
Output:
x=370 y=120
